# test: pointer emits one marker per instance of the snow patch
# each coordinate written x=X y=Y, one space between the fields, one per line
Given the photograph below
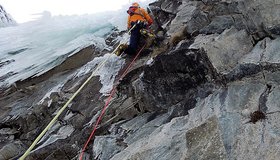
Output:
x=150 y=62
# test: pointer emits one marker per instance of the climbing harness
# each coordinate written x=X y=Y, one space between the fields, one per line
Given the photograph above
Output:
x=27 y=152
x=107 y=102
x=121 y=49
x=147 y=33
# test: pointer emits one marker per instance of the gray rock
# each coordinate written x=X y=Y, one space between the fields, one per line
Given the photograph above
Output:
x=214 y=129
x=272 y=100
x=137 y=133
x=264 y=59
x=165 y=142
x=107 y=146
x=195 y=101
x=11 y=150
x=225 y=50
x=261 y=14
x=266 y=51
x=184 y=14
x=171 y=7
x=272 y=77
x=272 y=51
x=205 y=141
x=126 y=134
x=218 y=25
x=166 y=81
x=228 y=106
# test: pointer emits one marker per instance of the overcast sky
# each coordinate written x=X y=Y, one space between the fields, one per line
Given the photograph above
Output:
x=22 y=10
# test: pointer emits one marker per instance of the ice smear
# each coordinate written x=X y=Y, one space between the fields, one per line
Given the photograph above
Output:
x=107 y=72
x=56 y=88
x=62 y=133
x=38 y=46
x=68 y=115
x=93 y=119
x=41 y=45
x=150 y=62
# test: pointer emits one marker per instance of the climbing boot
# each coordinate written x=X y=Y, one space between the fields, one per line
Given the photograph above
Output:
x=120 y=49
x=147 y=33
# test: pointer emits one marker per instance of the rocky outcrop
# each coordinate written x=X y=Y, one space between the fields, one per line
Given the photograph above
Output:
x=211 y=95
x=180 y=73
x=215 y=105
x=226 y=49
x=5 y=18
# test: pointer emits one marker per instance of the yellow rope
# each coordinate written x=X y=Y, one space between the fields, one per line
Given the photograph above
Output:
x=59 y=112
x=27 y=152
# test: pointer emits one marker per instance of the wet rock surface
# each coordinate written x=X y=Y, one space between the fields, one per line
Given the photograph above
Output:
x=179 y=71
x=189 y=99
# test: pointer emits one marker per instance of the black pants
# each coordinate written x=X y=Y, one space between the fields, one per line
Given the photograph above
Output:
x=134 y=38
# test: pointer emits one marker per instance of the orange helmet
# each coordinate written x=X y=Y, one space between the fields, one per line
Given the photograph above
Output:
x=135 y=4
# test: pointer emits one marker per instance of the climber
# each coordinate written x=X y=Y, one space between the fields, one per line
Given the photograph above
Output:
x=141 y=19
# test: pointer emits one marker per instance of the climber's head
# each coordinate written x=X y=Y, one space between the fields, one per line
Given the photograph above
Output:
x=135 y=4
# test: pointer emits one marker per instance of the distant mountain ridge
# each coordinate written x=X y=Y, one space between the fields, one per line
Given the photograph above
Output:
x=5 y=18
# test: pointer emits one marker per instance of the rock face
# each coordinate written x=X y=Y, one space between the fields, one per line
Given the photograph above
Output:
x=5 y=18
x=211 y=95
x=225 y=58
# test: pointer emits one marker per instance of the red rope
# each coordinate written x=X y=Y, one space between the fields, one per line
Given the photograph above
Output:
x=107 y=103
